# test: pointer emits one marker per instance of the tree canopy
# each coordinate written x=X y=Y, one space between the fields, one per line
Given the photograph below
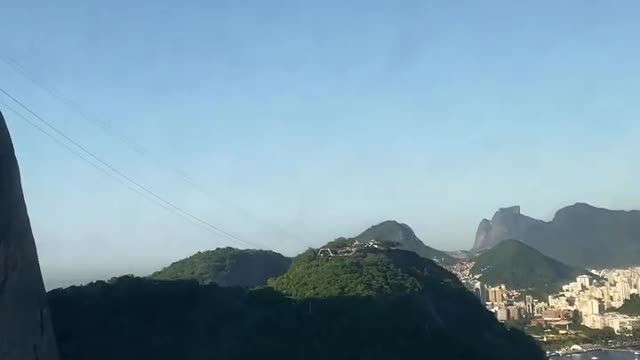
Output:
x=135 y=318
x=519 y=266
x=631 y=306
x=227 y=267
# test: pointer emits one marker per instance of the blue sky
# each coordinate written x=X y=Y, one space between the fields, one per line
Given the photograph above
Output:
x=309 y=120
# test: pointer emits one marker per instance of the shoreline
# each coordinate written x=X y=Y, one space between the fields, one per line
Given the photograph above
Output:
x=616 y=349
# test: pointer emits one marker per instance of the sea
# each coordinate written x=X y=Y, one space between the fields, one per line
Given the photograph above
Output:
x=601 y=355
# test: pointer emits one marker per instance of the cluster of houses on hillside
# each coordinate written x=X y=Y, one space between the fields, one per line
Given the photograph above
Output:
x=350 y=249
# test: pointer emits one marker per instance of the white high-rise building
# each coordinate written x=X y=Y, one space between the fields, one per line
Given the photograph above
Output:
x=575 y=286
x=595 y=292
x=496 y=295
x=528 y=301
x=584 y=281
x=482 y=291
x=589 y=307
x=624 y=291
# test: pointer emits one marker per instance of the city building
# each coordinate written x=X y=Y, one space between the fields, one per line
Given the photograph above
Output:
x=584 y=281
x=539 y=308
x=618 y=322
x=589 y=307
x=482 y=291
x=575 y=286
x=623 y=291
x=514 y=313
x=552 y=315
x=589 y=296
x=496 y=295
x=529 y=305
x=502 y=314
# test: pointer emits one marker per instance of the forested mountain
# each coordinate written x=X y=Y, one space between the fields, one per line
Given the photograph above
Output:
x=372 y=305
x=227 y=267
x=519 y=266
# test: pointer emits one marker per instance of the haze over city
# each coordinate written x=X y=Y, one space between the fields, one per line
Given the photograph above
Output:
x=434 y=115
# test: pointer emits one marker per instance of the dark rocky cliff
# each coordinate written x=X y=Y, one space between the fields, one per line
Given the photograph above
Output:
x=25 y=328
x=580 y=235
x=507 y=223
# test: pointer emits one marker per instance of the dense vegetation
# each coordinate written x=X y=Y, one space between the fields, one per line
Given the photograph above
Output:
x=367 y=273
x=423 y=312
x=521 y=267
x=227 y=267
x=630 y=307
x=403 y=235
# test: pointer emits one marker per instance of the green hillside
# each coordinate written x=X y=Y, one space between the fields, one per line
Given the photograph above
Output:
x=630 y=307
x=388 y=275
x=367 y=273
x=427 y=315
x=519 y=266
x=227 y=267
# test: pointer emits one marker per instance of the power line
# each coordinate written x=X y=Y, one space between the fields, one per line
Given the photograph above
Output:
x=107 y=128
x=79 y=155
x=125 y=176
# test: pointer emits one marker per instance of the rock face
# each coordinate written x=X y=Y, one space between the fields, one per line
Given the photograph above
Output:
x=25 y=328
x=507 y=223
x=580 y=235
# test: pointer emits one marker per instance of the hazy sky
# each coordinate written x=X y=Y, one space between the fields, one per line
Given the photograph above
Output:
x=308 y=120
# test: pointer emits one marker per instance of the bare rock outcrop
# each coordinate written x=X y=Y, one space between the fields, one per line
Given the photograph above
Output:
x=26 y=332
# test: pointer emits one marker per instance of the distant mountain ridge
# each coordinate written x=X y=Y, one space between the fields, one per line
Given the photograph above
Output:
x=520 y=266
x=580 y=235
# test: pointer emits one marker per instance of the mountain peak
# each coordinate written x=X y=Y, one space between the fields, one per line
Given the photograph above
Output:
x=393 y=224
x=394 y=231
x=227 y=267
x=515 y=245
x=515 y=210
x=583 y=204
x=506 y=223
x=519 y=266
